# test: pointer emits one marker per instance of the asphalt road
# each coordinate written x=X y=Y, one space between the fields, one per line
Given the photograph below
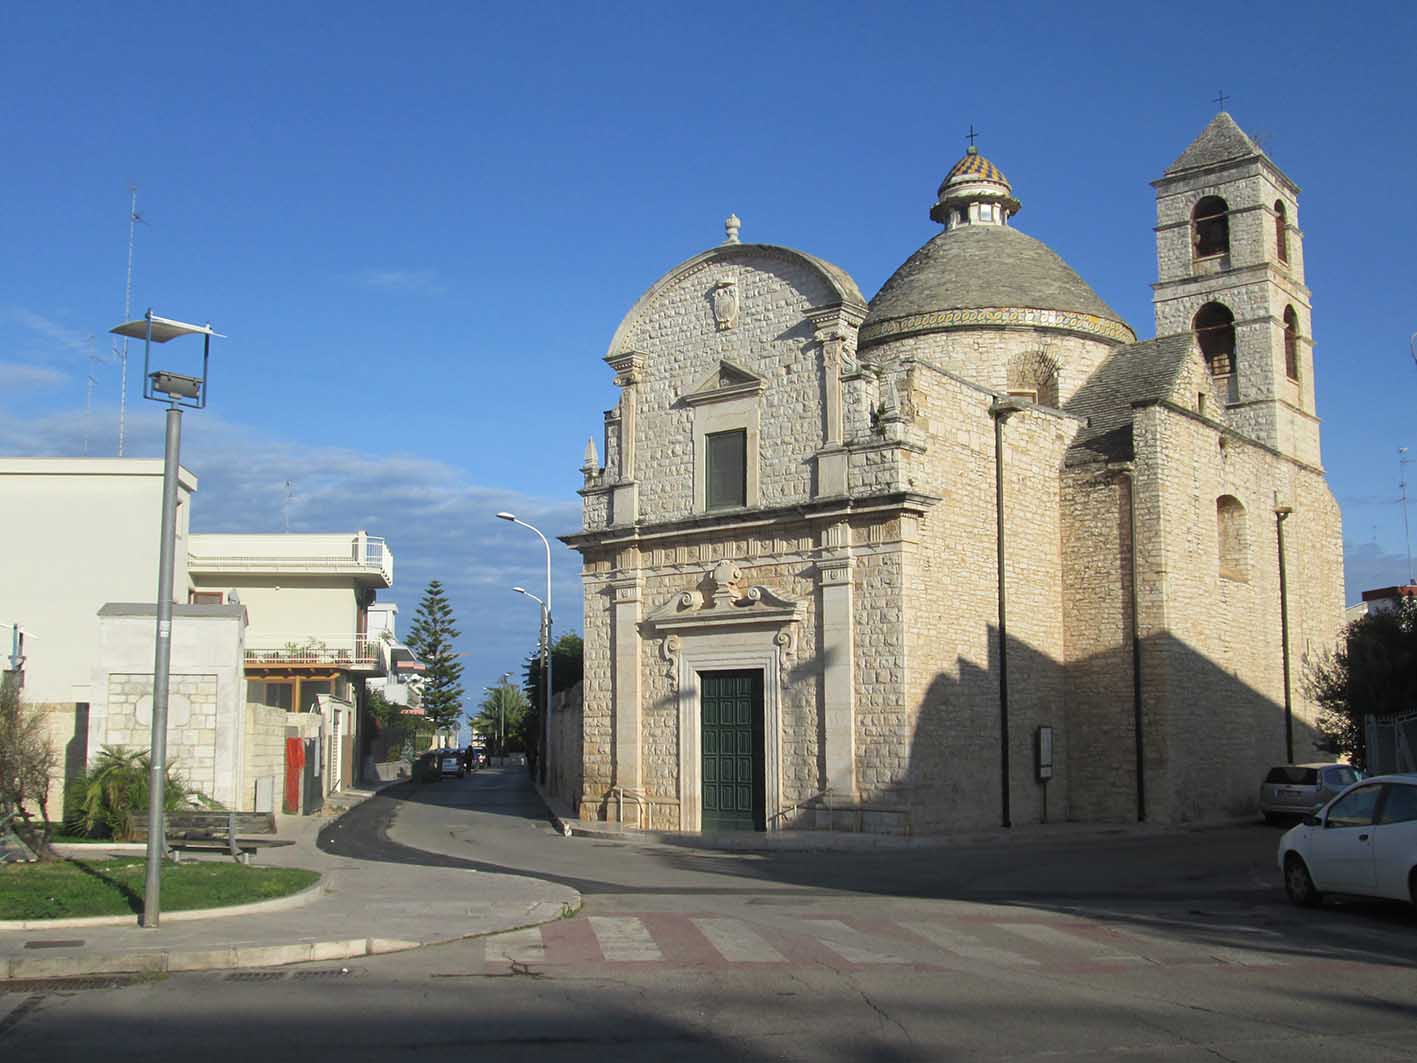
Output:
x=1172 y=947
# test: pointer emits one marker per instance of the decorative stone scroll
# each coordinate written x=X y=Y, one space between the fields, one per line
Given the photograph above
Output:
x=725 y=605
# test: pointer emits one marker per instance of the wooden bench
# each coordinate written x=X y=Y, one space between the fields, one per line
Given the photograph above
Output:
x=226 y=832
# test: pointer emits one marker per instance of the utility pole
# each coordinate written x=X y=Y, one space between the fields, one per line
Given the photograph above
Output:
x=1402 y=462
x=121 y=351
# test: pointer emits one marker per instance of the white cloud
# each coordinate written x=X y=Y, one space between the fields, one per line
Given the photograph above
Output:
x=62 y=335
x=420 y=281
x=24 y=375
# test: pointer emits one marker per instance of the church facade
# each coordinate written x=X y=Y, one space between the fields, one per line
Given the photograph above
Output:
x=969 y=554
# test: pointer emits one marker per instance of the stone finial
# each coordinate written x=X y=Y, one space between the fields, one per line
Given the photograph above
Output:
x=590 y=462
x=731 y=225
x=724 y=577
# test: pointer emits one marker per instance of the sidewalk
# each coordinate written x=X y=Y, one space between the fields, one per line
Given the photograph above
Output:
x=362 y=908
x=563 y=816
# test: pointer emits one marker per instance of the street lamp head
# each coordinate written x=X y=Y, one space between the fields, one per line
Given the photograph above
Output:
x=176 y=385
x=506 y=516
x=519 y=590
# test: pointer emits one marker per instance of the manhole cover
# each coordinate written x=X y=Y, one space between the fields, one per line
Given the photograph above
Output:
x=333 y=972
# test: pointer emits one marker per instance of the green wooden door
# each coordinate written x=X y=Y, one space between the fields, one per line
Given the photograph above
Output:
x=732 y=750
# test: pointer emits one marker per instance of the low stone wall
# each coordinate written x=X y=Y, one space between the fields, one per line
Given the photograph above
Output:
x=564 y=778
x=264 y=771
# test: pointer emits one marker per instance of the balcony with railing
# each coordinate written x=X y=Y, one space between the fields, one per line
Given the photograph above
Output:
x=365 y=557
x=363 y=653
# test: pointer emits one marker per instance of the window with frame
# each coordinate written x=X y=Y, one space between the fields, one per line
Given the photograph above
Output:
x=1355 y=809
x=1210 y=227
x=1400 y=805
x=1214 y=326
x=726 y=475
x=206 y=598
x=1291 y=343
x=1232 y=537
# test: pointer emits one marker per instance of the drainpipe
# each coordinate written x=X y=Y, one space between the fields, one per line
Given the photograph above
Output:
x=999 y=410
x=1280 y=513
x=1139 y=738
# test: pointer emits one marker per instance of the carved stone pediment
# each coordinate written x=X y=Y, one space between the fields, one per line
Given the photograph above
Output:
x=722 y=601
x=728 y=381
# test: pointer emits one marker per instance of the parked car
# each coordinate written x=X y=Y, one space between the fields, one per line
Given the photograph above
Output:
x=1363 y=842
x=1299 y=789
x=450 y=763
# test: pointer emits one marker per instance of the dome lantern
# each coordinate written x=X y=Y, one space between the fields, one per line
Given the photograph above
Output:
x=974 y=192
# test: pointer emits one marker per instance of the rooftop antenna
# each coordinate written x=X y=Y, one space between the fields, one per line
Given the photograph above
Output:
x=94 y=362
x=120 y=352
x=285 y=506
x=1402 y=462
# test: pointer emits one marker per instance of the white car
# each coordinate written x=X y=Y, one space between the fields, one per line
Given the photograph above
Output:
x=1363 y=842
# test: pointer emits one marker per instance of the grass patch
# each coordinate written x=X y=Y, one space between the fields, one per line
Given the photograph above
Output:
x=72 y=888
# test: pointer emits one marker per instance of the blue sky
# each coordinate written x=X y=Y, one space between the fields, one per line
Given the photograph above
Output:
x=420 y=224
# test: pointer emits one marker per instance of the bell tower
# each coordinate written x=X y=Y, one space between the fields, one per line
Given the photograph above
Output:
x=1230 y=269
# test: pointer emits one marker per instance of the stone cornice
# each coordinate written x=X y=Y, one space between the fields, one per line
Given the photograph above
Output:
x=998 y=317
x=839 y=508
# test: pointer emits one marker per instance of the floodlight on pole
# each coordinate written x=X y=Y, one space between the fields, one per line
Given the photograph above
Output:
x=179 y=391
x=546 y=642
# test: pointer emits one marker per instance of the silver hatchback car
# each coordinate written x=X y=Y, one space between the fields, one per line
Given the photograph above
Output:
x=1297 y=789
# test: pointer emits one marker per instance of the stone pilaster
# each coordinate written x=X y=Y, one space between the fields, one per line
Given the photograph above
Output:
x=625 y=495
x=838 y=661
x=834 y=330
x=625 y=646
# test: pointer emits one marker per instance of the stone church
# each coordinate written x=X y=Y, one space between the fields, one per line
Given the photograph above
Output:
x=970 y=554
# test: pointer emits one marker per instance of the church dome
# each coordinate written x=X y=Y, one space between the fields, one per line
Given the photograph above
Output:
x=974 y=178
x=980 y=272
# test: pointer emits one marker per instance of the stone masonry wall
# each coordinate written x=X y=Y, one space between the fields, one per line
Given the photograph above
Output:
x=191 y=722
x=772 y=339
x=264 y=752
x=1213 y=641
x=597 y=708
x=983 y=355
x=950 y=701
x=1097 y=581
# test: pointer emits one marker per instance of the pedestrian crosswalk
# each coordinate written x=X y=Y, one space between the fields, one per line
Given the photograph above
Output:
x=715 y=940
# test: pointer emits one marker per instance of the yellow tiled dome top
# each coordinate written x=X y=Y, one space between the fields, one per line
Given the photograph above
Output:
x=974 y=167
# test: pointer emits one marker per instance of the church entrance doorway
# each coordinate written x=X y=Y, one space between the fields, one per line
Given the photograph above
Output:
x=731 y=749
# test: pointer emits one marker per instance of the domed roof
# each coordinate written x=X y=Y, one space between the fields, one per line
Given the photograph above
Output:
x=983 y=275
x=974 y=167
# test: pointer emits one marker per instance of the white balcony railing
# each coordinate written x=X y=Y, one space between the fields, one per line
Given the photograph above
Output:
x=357 y=554
x=338 y=651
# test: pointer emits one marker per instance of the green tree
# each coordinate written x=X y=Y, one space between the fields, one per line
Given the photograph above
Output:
x=567 y=666
x=501 y=714
x=1372 y=671
x=27 y=761
x=431 y=638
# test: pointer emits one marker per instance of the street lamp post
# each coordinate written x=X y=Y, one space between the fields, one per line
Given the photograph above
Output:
x=545 y=644
x=179 y=392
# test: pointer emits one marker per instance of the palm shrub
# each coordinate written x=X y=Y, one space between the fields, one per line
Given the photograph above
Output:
x=114 y=787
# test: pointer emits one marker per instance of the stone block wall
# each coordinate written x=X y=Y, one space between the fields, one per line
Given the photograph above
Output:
x=1097 y=619
x=264 y=752
x=1213 y=641
x=564 y=779
x=772 y=339
x=191 y=724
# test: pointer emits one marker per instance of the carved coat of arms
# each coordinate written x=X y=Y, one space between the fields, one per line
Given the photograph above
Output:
x=725 y=304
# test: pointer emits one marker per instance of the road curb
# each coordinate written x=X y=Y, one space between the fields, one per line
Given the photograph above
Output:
x=275 y=904
x=237 y=957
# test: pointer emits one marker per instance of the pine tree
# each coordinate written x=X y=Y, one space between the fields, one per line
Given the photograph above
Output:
x=431 y=639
